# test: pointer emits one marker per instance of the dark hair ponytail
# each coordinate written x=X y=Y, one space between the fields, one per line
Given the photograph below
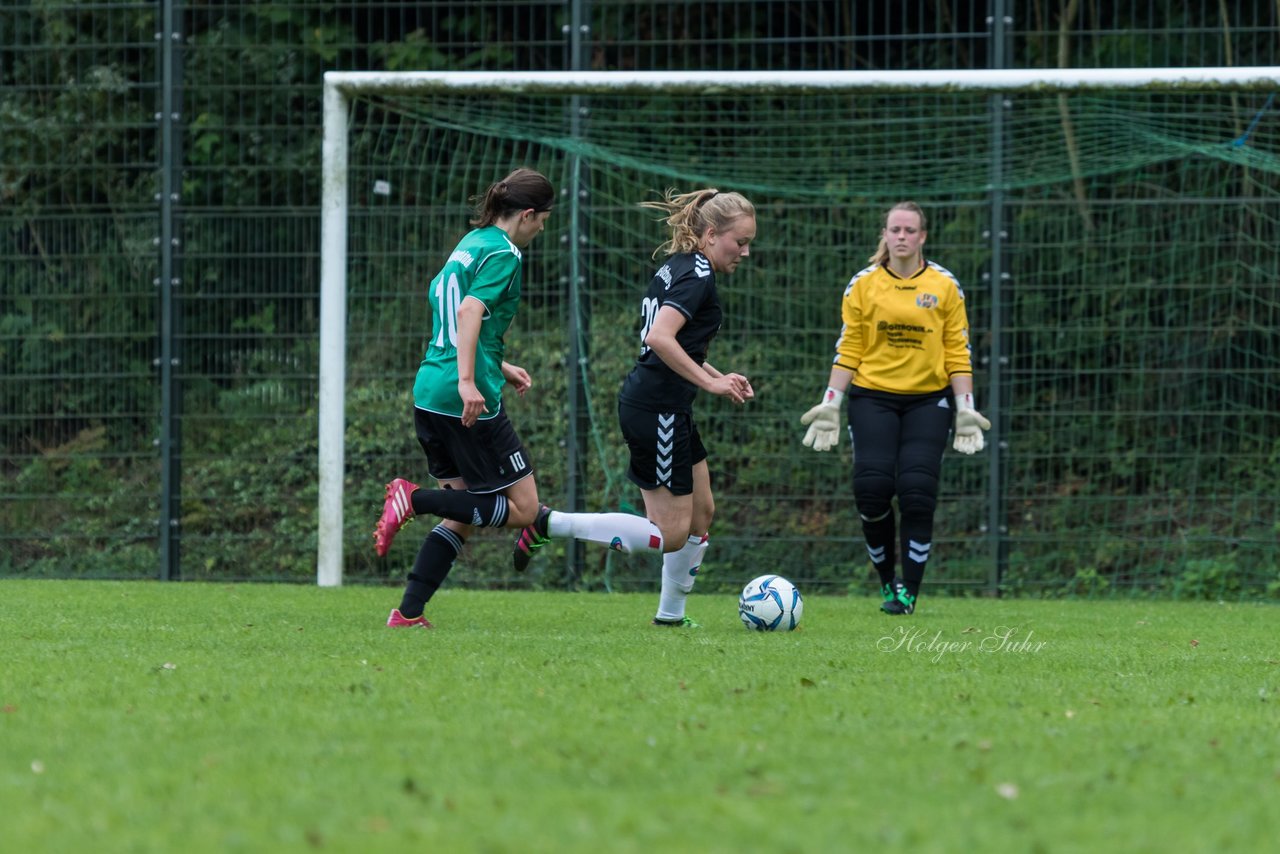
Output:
x=521 y=190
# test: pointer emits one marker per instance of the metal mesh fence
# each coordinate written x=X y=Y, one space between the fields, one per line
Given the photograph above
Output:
x=89 y=426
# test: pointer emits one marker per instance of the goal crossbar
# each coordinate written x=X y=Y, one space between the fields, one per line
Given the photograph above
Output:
x=618 y=82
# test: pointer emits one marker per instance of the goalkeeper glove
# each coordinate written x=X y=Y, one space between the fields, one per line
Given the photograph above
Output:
x=824 y=422
x=969 y=426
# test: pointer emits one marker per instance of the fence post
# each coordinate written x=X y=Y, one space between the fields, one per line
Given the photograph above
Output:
x=169 y=123
x=997 y=234
x=579 y=320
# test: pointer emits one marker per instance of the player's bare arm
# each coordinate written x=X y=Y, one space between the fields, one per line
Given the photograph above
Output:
x=517 y=377
x=470 y=315
x=744 y=386
x=662 y=340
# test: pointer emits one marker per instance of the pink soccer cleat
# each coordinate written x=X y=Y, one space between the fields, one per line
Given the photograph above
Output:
x=396 y=510
x=396 y=621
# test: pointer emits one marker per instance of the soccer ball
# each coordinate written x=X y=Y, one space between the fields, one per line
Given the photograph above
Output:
x=770 y=603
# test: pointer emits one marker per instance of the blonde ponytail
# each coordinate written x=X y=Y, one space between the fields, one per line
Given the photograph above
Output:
x=689 y=215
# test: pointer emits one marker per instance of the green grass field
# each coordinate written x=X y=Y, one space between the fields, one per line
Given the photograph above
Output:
x=196 y=717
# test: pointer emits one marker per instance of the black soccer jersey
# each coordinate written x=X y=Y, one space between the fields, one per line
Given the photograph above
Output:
x=688 y=284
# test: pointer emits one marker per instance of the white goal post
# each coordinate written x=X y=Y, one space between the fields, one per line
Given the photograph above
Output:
x=340 y=87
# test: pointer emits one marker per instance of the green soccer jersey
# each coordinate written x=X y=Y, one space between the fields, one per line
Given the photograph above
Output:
x=485 y=266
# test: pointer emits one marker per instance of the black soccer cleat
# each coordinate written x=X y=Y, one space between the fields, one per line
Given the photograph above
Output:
x=682 y=623
x=897 y=602
x=531 y=538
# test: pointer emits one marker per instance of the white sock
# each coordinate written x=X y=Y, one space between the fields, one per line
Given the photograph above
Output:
x=620 y=531
x=679 y=571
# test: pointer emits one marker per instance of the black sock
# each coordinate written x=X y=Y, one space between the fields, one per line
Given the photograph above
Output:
x=483 y=511
x=914 y=555
x=879 y=536
x=430 y=568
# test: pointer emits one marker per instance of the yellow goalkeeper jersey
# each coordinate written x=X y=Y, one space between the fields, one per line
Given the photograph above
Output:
x=907 y=336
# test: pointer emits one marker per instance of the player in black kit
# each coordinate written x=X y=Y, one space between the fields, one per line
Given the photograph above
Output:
x=711 y=232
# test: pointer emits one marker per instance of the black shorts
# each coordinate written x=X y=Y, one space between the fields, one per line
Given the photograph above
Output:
x=665 y=446
x=896 y=433
x=488 y=455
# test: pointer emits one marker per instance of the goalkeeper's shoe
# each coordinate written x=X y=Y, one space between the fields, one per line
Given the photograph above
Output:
x=531 y=538
x=396 y=511
x=397 y=621
x=682 y=623
x=900 y=603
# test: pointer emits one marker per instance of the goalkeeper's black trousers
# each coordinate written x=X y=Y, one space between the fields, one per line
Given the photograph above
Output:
x=898 y=441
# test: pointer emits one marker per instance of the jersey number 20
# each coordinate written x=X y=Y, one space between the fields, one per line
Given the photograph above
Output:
x=649 y=308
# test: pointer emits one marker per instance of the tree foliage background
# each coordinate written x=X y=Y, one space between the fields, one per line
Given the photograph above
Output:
x=80 y=314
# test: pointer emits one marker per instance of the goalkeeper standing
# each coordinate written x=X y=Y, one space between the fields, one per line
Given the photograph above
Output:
x=903 y=360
